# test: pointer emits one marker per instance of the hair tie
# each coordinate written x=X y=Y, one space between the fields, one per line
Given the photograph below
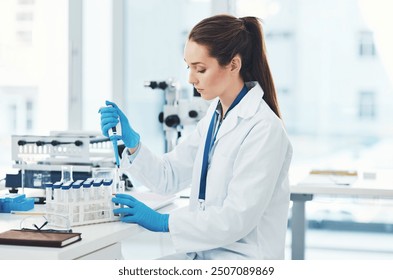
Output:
x=244 y=22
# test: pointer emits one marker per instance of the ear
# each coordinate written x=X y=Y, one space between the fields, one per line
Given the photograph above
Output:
x=236 y=64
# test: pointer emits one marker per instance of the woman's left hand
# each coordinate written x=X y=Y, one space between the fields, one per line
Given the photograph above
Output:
x=139 y=213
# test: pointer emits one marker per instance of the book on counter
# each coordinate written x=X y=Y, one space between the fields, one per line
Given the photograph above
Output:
x=38 y=238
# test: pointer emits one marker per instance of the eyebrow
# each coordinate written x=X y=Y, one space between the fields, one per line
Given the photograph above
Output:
x=194 y=63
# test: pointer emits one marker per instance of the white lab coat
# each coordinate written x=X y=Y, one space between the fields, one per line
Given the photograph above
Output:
x=247 y=189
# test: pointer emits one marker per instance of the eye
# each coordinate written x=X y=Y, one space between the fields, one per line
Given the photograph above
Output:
x=201 y=71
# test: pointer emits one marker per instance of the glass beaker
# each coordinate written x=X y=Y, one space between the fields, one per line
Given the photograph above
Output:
x=66 y=173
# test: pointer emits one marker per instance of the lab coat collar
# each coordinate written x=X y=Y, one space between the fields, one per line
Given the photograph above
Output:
x=247 y=108
x=250 y=103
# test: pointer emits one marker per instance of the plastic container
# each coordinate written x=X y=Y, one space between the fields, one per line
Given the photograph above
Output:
x=15 y=202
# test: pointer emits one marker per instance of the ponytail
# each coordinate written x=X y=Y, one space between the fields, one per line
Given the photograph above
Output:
x=256 y=64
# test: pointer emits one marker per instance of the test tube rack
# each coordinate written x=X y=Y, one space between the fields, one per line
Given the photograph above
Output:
x=80 y=203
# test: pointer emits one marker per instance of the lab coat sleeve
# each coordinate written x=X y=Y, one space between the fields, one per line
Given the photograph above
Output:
x=170 y=172
x=257 y=168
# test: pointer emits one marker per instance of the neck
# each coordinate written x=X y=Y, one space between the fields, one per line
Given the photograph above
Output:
x=228 y=98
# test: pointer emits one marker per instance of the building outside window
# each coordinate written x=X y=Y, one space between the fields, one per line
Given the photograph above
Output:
x=366 y=44
x=367 y=105
x=33 y=69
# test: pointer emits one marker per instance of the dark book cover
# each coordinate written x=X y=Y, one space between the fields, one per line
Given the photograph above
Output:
x=38 y=238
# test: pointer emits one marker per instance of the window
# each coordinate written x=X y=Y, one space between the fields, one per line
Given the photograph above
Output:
x=366 y=44
x=12 y=113
x=29 y=115
x=156 y=58
x=331 y=124
x=367 y=105
x=316 y=65
x=33 y=69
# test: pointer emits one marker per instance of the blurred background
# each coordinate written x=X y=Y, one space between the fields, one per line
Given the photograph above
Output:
x=331 y=61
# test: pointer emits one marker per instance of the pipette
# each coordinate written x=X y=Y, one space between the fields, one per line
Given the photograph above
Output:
x=114 y=137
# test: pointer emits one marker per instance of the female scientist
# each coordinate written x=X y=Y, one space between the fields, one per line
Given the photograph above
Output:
x=236 y=161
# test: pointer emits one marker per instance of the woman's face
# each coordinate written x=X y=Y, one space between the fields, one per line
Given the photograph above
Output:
x=206 y=75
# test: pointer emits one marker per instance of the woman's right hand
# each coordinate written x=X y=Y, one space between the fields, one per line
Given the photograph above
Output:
x=110 y=117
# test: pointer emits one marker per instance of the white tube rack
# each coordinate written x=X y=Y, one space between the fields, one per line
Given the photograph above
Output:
x=66 y=215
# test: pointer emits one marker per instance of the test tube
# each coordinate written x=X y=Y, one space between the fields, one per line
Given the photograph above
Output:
x=65 y=195
x=87 y=189
x=97 y=188
x=108 y=188
x=67 y=198
x=97 y=183
x=87 y=200
x=48 y=196
x=77 y=197
x=107 y=197
x=77 y=191
x=56 y=192
x=48 y=191
x=56 y=201
x=121 y=187
x=65 y=190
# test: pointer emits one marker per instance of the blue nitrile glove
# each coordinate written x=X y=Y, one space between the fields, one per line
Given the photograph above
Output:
x=139 y=213
x=110 y=117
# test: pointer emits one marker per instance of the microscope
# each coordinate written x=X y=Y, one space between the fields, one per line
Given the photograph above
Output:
x=177 y=112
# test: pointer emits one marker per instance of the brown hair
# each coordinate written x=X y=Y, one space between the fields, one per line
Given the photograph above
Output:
x=226 y=36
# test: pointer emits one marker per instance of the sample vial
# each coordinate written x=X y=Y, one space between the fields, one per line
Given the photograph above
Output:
x=56 y=192
x=77 y=195
x=87 y=207
x=97 y=197
x=107 y=183
x=97 y=188
x=121 y=186
x=77 y=191
x=48 y=191
x=107 y=197
x=57 y=200
x=49 y=195
x=66 y=197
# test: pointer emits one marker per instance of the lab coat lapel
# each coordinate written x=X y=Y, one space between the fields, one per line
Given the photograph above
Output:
x=245 y=109
x=228 y=124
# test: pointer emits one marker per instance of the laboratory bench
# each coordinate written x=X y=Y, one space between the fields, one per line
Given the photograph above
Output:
x=104 y=240
x=99 y=241
x=377 y=184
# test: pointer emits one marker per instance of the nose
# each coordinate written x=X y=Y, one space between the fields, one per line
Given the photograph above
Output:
x=191 y=79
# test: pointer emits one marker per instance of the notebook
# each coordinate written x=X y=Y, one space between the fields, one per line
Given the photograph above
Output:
x=38 y=238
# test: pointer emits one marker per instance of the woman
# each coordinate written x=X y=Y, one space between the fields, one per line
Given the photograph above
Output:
x=236 y=160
